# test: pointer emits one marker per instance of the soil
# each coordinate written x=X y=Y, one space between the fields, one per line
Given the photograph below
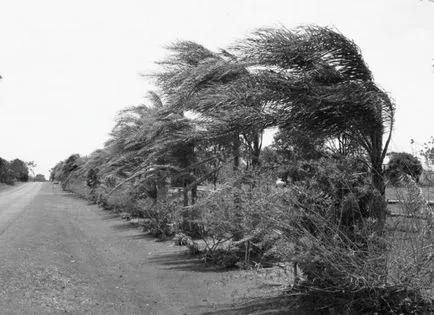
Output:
x=59 y=254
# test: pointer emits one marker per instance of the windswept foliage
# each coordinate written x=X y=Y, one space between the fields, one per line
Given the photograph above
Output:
x=317 y=81
x=189 y=160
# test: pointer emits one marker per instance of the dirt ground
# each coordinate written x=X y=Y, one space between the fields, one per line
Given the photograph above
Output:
x=58 y=255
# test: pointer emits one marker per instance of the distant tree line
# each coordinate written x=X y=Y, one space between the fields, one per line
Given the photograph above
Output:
x=18 y=171
x=13 y=171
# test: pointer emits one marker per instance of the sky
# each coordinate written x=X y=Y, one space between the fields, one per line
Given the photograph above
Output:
x=68 y=67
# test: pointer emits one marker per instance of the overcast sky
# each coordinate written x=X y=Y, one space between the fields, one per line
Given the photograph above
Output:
x=69 y=66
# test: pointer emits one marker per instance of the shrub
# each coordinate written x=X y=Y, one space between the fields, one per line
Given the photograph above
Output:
x=347 y=267
x=228 y=212
x=160 y=217
x=76 y=185
x=403 y=163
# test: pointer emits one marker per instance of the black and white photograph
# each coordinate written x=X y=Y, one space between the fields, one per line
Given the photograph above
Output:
x=223 y=157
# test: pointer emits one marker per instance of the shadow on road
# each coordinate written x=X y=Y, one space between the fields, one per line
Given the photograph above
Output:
x=129 y=225
x=143 y=236
x=270 y=305
x=185 y=262
x=122 y=226
x=106 y=215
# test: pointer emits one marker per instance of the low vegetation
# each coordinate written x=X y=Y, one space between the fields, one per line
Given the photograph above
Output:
x=190 y=164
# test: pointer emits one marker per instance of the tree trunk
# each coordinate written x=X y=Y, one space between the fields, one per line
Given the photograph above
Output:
x=185 y=195
x=194 y=195
x=256 y=151
x=162 y=190
x=380 y=205
x=236 y=153
x=237 y=234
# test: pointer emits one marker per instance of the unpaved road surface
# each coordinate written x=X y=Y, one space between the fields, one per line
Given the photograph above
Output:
x=58 y=254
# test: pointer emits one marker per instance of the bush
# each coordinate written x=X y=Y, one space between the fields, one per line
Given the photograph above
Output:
x=161 y=217
x=348 y=267
x=403 y=163
x=76 y=185
x=322 y=222
x=229 y=223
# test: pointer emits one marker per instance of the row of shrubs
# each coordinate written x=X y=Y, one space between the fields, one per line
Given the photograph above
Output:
x=204 y=127
x=320 y=223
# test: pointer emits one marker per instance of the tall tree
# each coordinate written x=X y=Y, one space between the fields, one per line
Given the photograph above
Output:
x=151 y=144
x=6 y=174
x=217 y=87
x=20 y=170
x=319 y=82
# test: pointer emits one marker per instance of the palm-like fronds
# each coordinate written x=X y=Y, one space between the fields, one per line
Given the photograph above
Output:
x=317 y=52
x=155 y=99
x=317 y=80
x=217 y=86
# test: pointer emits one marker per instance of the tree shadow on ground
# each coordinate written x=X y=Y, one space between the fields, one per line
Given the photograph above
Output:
x=133 y=226
x=276 y=305
x=184 y=261
x=108 y=215
x=122 y=226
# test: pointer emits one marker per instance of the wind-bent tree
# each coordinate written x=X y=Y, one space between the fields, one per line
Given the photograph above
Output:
x=56 y=172
x=129 y=149
x=219 y=89
x=318 y=82
x=151 y=144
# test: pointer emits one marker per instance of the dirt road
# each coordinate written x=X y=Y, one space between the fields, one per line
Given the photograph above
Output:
x=60 y=255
